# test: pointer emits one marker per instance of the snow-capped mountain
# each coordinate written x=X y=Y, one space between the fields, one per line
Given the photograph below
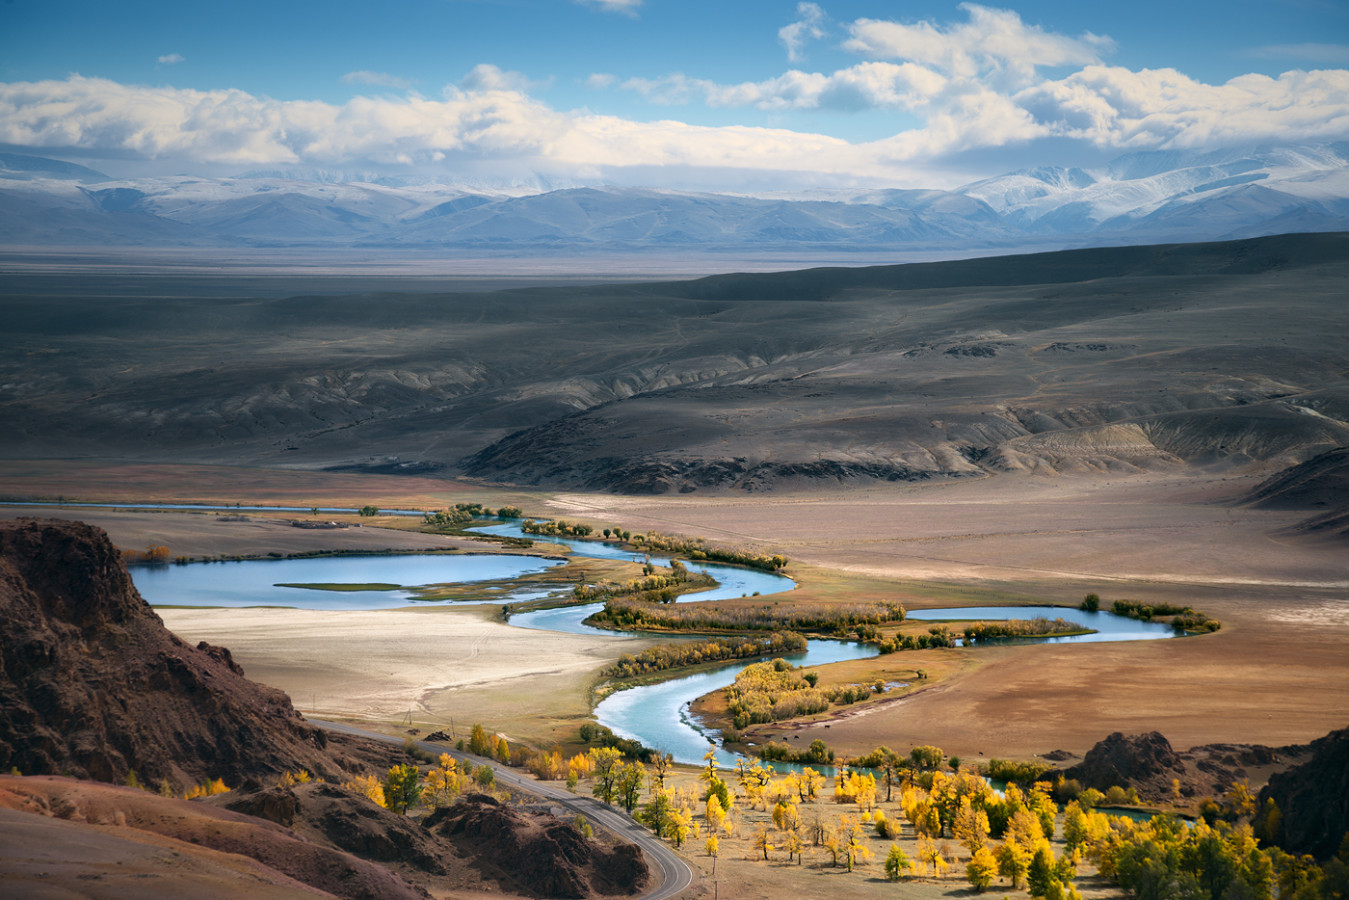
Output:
x=1164 y=195
x=1140 y=198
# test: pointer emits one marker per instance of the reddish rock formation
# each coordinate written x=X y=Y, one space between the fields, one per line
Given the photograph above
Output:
x=93 y=685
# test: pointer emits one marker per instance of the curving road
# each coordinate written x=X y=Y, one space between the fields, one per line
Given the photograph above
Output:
x=674 y=875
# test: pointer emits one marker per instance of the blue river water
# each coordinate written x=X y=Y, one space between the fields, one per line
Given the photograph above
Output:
x=657 y=715
x=257 y=582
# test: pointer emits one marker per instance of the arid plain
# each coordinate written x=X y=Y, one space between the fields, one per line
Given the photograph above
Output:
x=1158 y=424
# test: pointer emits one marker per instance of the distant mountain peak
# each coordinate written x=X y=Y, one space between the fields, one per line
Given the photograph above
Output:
x=1142 y=197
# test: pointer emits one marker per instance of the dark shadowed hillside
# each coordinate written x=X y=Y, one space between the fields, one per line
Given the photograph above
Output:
x=1229 y=356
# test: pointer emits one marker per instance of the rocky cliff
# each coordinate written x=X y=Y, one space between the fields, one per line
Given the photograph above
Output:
x=93 y=685
x=1313 y=799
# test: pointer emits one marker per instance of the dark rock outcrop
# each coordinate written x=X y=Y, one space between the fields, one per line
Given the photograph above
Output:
x=1148 y=764
x=329 y=814
x=93 y=685
x=547 y=857
x=1128 y=760
x=1313 y=799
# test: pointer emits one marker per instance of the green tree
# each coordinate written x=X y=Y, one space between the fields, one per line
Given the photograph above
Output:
x=927 y=758
x=402 y=788
x=606 y=761
x=656 y=814
x=891 y=766
x=368 y=510
x=1041 y=871
x=631 y=777
x=897 y=863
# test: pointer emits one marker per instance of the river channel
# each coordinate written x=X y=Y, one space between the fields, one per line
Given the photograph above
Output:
x=657 y=715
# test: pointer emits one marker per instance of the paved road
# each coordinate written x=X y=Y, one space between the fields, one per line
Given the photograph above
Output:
x=674 y=874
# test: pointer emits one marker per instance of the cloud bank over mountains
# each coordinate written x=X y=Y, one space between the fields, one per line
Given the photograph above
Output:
x=988 y=83
x=1145 y=197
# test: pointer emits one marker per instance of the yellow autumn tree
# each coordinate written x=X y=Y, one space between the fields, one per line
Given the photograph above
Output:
x=855 y=849
x=981 y=869
x=367 y=786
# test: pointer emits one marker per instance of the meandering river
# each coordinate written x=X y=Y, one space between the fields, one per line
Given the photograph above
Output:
x=657 y=715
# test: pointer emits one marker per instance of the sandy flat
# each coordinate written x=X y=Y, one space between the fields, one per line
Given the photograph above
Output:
x=1144 y=529
x=435 y=665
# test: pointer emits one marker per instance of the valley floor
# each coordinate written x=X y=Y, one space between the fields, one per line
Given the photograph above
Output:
x=1275 y=674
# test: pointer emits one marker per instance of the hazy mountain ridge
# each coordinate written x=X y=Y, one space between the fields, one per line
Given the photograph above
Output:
x=1140 y=198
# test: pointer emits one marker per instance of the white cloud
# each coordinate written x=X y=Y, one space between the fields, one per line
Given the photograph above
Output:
x=380 y=79
x=994 y=44
x=600 y=80
x=490 y=121
x=1115 y=107
x=626 y=7
x=171 y=59
x=874 y=85
x=487 y=77
x=809 y=26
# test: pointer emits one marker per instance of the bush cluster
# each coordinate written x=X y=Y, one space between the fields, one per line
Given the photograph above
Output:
x=626 y=613
x=556 y=528
x=601 y=736
x=691 y=653
x=818 y=753
x=775 y=691
x=976 y=632
x=1183 y=618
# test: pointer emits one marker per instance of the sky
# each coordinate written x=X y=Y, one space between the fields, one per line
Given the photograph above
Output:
x=736 y=95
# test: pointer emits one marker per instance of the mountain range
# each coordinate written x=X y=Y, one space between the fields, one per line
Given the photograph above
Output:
x=1146 y=197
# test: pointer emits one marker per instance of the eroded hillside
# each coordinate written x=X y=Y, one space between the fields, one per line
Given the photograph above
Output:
x=1226 y=355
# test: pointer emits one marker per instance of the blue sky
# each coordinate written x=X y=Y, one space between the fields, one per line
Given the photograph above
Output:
x=673 y=94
